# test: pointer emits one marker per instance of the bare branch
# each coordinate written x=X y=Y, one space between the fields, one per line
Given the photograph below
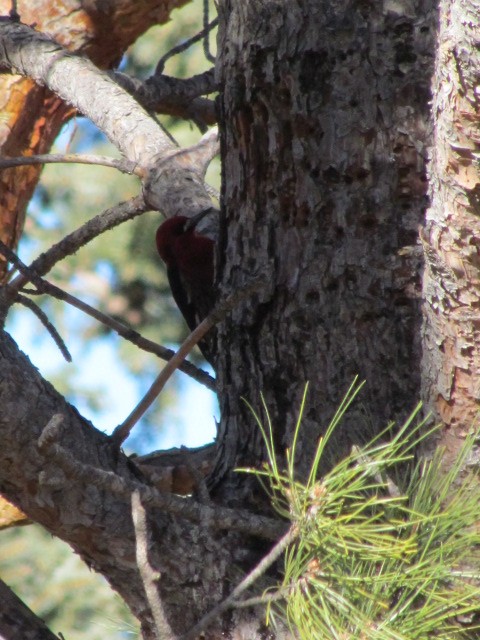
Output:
x=207 y=27
x=17 y=621
x=208 y=515
x=149 y=576
x=122 y=432
x=126 y=332
x=42 y=316
x=174 y=96
x=201 y=154
x=125 y=166
x=75 y=79
x=10 y=256
x=173 y=188
x=43 y=286
x=71 y=243
x=247 y=582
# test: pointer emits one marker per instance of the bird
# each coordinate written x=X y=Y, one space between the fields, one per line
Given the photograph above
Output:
x=189 y=258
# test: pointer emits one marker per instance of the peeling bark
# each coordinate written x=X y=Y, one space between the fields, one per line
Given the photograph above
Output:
x=326 y=131
x=32 y=116
x=451 y=287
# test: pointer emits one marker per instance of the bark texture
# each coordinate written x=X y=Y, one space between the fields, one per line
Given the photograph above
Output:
x=83 y=496
x=325 y=107
x=31 y=115
x=17 y=621
x=451 y=361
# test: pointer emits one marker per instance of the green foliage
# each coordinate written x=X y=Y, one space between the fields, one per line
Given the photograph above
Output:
x=369 y=562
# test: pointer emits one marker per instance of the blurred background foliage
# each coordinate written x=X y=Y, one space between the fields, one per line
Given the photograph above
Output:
x=60 y=589
x=120 y=271
x=121 y=274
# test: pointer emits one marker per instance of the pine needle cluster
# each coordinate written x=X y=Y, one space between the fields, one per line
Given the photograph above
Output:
x=368 y=561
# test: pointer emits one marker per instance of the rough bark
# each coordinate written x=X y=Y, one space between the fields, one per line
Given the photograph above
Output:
x=31 y=115
x=17 y=621
x=70 y=496
x=451 y=359
x=325 y=111
x=325 y=114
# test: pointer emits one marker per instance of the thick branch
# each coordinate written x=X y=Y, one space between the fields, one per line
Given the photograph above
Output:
x=17 y=621
x=174 y=187
x=80 y=83
x=209 y=515
x=174 y=96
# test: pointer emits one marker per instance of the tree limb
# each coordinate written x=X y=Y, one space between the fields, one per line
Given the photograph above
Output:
x=77 y=81
x=122 y=432
x=149 y=576
x=125 y=166
x=127 y=333
x=17 y=621
x=210 y=516
x=45 y=287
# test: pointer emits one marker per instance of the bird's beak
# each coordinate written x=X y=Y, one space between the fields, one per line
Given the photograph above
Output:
x=194 y=220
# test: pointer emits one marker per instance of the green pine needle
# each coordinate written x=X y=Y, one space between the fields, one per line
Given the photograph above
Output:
x=369 y=563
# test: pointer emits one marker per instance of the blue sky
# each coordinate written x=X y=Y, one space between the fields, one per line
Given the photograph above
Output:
x=189 y=421
x=100 y=367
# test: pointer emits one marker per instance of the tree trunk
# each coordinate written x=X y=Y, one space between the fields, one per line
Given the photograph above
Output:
x=325 y=131
x=451 y=356
x=325 y=108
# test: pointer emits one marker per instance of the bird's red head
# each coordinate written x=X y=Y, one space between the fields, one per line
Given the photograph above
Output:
x=182 y=248
x=167 y=234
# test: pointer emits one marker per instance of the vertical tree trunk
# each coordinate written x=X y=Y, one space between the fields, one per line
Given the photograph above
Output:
x=325 y=112
x=451 y=361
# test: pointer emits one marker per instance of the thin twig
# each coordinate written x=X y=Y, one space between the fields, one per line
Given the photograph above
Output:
x=210 y=516
x=247 y=582
x=185 y=45
x=42 y=316
x=123 y=165
x=12 y=257
x=149 y=576
x=43 y=286
x=126 y=332
x=122 y=432
x=71 y=243
x=206 y=39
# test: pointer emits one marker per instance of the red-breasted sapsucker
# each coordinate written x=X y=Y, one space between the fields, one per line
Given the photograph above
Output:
x=189 y=258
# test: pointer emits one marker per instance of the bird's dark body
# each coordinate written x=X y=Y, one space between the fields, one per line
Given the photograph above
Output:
x=189 y=257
